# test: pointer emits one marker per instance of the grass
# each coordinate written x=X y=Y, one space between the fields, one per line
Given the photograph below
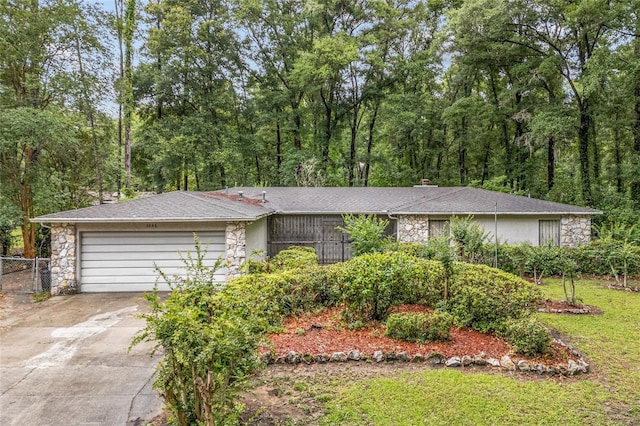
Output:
x=609 y=395
x=41 y=296
x=452 y=397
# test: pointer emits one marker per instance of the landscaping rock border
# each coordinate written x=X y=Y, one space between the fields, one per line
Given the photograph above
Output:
x=578 y=311
x=505 y=363
x=622 y=288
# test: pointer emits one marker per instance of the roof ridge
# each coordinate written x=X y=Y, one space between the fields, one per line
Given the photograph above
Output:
x=223 y=202
x=425 y=197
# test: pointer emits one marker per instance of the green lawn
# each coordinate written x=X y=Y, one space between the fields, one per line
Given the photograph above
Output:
x=609 y=395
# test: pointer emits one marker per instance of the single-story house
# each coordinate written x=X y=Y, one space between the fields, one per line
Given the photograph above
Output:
x=114 y=247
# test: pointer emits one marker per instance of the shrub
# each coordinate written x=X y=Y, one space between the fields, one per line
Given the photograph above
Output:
x=419 y=327
x=372 y=283
x=209 y=346
x=311 y=289
x=528 y=336
x=483 y=298
x=294 y=257
x=469 y=238
x=412 y=249
x=366 y=232
x=255 y=296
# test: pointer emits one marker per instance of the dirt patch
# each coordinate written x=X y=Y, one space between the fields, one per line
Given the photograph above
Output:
x=18 y=281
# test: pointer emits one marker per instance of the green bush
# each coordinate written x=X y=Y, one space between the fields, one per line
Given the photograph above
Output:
x=255 y=296
x=513 y=258
x=372 y=283
x=366 y=232
x=294 y=257
x=419 y=327
x=412 y=249
x=311 y=289
x=209 y=346
x=469 y=238
x=483 y=298
x=527 y=335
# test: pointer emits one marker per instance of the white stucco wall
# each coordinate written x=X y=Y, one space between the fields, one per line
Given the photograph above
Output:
x=257 y=239
x=513 y=229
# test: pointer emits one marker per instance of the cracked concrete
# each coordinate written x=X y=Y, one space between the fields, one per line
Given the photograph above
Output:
x=66 y=361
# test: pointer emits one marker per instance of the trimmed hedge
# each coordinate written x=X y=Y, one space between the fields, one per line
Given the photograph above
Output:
x=370 y=284
x=483 y=298
x=528 y=336
x=419 y=327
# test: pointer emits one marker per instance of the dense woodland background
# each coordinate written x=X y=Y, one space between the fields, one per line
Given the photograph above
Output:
x=535 y=97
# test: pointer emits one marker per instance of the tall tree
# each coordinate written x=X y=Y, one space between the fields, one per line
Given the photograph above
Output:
x=40 y=79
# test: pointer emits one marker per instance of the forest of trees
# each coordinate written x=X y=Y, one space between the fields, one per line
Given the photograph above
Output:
x=533 y=97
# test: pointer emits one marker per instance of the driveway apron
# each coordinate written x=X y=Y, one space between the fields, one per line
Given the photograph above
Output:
x=66 y=361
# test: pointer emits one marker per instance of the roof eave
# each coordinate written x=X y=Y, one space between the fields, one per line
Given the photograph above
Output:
x=144 y=219
x=492 y=212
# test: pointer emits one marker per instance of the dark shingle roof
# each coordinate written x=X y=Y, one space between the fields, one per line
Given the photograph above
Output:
x=168 y=207
x=407 y=200
x=223 y=205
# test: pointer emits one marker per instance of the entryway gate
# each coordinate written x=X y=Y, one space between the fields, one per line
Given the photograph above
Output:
x=20 y=275
x=318 y=231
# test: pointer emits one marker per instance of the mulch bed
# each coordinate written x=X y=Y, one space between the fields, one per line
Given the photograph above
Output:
x=325 y=333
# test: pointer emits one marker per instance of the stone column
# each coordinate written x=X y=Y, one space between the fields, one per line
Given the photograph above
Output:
x=63 y=259
x=575 y=230
x=413 y=229
x=236 y=247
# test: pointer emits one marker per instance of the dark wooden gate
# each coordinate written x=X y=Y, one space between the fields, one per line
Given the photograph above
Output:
x=318 y=231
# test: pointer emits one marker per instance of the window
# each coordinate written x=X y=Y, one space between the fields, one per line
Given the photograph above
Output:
x=549 y=232
x=438 y=228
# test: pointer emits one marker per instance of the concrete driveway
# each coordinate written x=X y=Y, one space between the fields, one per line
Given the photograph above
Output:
x=65 y=361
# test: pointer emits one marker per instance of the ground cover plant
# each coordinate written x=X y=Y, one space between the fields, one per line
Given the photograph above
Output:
x=406 y=394
x=210 y=334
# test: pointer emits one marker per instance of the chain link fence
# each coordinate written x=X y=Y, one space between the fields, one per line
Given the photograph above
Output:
x=19 y=275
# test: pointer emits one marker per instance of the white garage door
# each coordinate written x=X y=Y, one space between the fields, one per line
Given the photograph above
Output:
x=124 y=261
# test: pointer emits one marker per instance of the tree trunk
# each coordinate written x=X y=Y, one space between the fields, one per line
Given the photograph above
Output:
x=372 y=124
x=551 y=162
x=88 y=109
x=635 y=185
x=278 y=149
x=130 y=16
x=583 y=150
x=353 y=146
x=118 y=10
x=617 y=154
x=25 y=202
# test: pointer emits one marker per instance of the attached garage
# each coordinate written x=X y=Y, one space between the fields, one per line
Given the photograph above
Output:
x=124 y=261
x=113 y=247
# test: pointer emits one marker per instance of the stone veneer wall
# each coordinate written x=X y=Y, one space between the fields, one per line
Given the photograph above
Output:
x=413 y=229
x=236 y=247
x=63 y=259
x=575 y=230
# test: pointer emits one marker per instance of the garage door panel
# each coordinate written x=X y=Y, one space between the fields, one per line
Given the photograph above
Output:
x=124 y=261
x=156 y=248
x=148 y=256
x=133 y=267
x=119 y=287
x=148 y=241
x=140 y=279
x=139 y=275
